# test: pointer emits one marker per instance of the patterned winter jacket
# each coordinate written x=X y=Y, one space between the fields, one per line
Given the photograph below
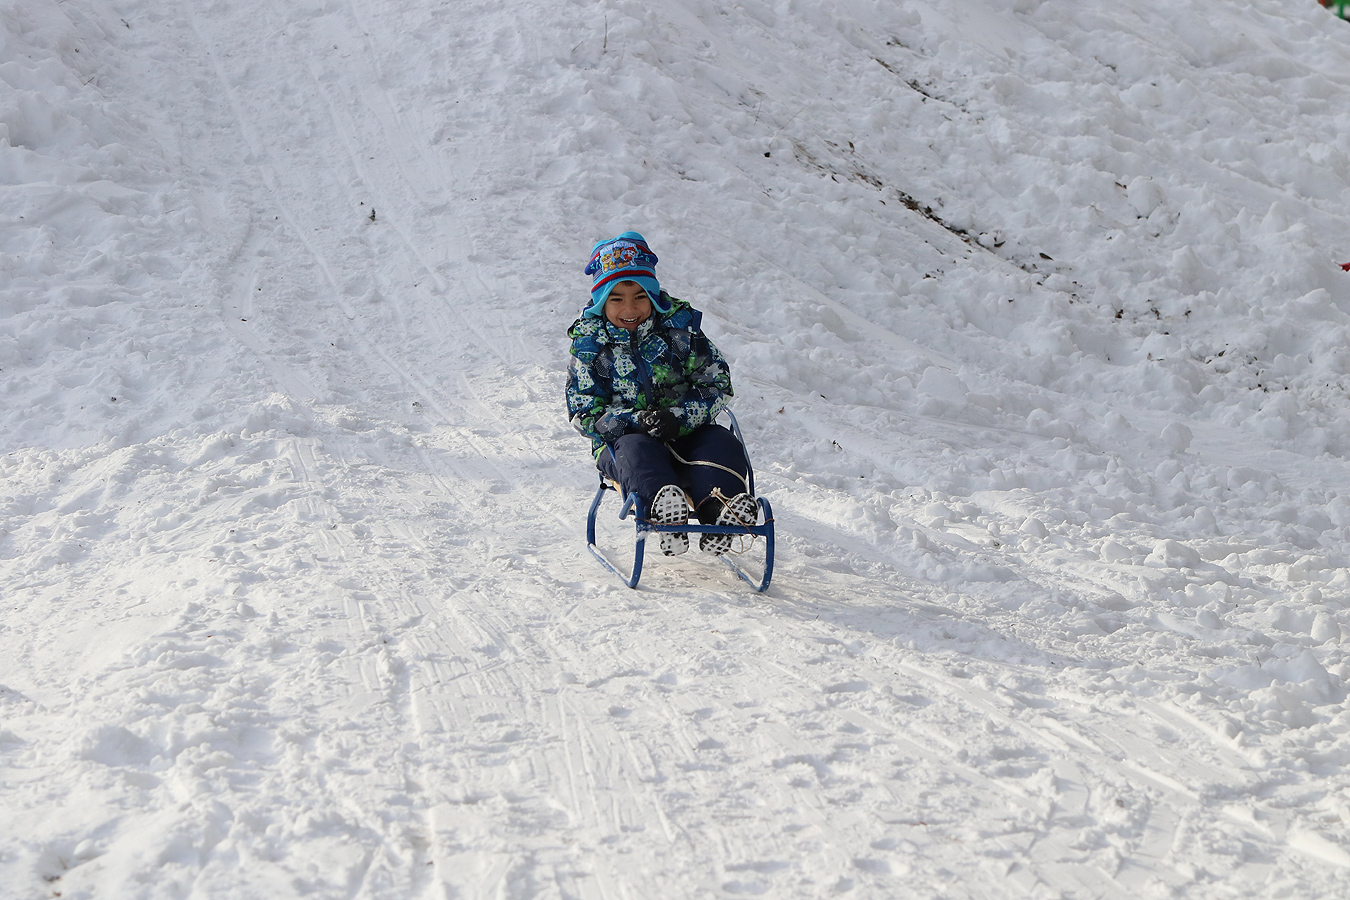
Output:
x=666 y=362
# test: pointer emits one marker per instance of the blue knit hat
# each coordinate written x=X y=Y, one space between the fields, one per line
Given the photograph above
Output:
x=623 y=258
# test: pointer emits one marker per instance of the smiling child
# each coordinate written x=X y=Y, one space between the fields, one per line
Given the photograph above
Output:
x=645 y=385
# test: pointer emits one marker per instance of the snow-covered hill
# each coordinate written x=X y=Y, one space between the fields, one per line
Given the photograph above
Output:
x=1041 y=348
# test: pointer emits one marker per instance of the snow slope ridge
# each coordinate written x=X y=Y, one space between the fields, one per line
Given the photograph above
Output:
x=1038 y=331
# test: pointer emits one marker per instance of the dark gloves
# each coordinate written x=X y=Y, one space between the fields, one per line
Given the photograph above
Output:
x=659 y=423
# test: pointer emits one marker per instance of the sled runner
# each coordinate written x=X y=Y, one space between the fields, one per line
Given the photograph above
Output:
x=645 y=527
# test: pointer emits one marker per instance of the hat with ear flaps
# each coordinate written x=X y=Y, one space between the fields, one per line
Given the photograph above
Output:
x=623 y=258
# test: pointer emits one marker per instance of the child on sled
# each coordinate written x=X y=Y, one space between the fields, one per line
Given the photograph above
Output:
x=645 y=385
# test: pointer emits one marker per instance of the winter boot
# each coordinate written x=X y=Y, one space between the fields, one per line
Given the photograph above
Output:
x=671 y=508
x=741 y=509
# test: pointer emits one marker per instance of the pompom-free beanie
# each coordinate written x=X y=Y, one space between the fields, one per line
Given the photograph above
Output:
x=623 y=258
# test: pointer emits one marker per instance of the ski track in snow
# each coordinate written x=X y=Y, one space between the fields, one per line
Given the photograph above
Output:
x=1038 y=339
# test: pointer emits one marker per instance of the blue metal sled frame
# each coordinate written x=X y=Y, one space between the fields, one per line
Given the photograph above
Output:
x=646 y=528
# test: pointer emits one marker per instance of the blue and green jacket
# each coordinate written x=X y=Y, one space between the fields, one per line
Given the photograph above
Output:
x=667 y=362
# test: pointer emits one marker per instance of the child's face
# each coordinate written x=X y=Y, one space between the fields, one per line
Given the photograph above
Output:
x=627 y=305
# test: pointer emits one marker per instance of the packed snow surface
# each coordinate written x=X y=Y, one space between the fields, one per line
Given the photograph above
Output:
x=1041 y=349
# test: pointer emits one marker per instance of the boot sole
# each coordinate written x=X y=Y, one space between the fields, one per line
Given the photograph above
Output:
x=671 y=508
x=739 y=510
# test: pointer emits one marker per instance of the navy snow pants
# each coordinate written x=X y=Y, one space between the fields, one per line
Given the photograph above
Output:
x=643 y=464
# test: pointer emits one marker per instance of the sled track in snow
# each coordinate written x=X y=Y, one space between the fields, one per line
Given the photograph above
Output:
x=368 y=656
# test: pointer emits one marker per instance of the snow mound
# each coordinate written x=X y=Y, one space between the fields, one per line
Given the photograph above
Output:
x=1038 y=326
